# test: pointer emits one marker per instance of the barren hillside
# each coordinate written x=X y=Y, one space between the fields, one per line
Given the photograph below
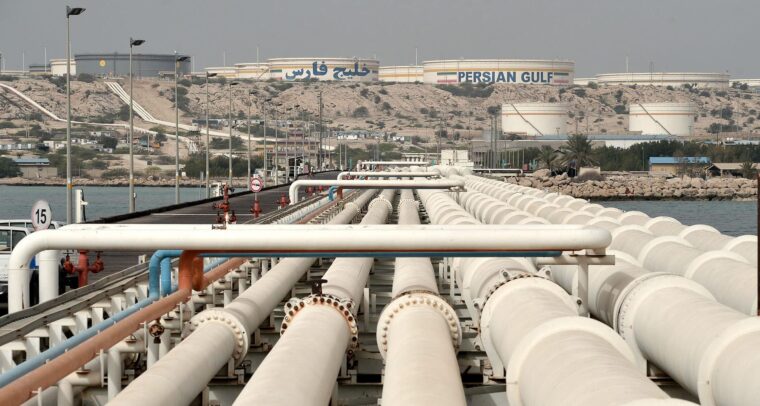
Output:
x=404 y=108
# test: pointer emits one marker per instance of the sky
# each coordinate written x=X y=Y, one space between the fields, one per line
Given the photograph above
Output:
x=671 y=35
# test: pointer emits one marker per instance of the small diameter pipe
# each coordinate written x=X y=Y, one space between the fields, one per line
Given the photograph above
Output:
x=373 y=184
x=325 y=240
x=303 y=365
x=178 y=377
x=342 y=175
x=54 y=370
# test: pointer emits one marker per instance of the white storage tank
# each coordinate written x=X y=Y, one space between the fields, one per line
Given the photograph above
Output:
x=662 y=118
x=329 y=69
x=401 y=74
x=534 y=119
x=675 y=79
x=516 y=71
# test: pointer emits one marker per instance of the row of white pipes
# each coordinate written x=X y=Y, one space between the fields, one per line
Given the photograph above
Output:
x=531 y=327
x=223 y=334
x=316 y=333
x=418 y=333
x=671 y=321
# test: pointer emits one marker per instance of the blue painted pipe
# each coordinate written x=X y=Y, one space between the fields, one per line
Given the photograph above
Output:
x=331 y=193
x=35 y=362
x=158 y=275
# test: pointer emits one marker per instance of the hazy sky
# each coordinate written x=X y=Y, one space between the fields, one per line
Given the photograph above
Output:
x=676 y=35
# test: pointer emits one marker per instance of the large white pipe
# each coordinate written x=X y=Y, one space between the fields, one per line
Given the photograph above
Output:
x=676 y=324
x=726 y=274
x=380 y=174
x=418 y=331
x=133 y=344
x=48 y=274
x=373 y=184
x=302 y=367
x=194 y=362
x=417 y=240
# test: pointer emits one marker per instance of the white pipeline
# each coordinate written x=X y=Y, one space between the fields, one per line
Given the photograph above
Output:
x=396 y=174
x=418 y=331
x=376 y=240
x=194 y=362
x=673 y=322
x=302 y=367
x=373 y=184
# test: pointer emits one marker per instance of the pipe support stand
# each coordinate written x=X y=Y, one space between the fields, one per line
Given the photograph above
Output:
x=417 y=299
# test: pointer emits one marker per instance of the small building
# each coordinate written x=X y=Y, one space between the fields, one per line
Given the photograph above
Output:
x=36 y=168
x=727 y=169
x=672 y=165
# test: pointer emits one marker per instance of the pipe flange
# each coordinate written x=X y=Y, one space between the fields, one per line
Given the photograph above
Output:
x=416 y=299
x=415 y=204
x=726 y=339
x=551 y=328
x=352 y=205
x=342 y=306
x=506 y=277
x=697 y=227
x=242 y=338
x=636 y=292
x=380 y=200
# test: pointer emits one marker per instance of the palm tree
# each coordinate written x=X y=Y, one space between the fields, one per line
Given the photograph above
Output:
x=577 y=152
x=547 y=157
x=748 y=169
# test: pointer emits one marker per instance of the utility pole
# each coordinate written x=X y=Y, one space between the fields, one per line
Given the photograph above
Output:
x=208 y=141
x=177 y=60
x=229 y=161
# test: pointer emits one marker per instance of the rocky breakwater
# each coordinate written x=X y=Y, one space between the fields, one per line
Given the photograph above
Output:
x=625 y=187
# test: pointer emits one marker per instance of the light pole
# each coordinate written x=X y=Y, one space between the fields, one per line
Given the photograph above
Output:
x=177 y=60
x=132 y=43
x=229 y=181
x=208 y=142
x=69 y=186
x=250 y=103
x=266 y=152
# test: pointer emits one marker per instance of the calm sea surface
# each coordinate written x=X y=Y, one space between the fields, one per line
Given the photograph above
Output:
x=730 y=217
x=16 y=201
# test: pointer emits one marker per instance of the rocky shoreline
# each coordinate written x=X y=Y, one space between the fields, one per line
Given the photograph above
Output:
x=630 y=187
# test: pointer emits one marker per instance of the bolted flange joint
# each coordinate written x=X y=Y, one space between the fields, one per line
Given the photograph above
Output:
x=342 y=306
x=417 y=299
x=505 y=277
x=242 y=338
x=380 y=200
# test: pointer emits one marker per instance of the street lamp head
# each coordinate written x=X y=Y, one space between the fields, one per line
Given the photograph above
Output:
x=210 y=75
x=182 y=58
x=136 y=42
x=74 y=11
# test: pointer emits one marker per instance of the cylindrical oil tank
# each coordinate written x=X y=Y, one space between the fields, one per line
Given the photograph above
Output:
x=662 y=118
x=330 y=69
x=675 y=79
x=517 y=71
x=401 y=74
x=534 y=119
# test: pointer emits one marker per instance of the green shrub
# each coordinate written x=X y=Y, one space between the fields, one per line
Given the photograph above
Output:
x=360 y=111
x=85 y=77
x=8 y=168
x=480 y=90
